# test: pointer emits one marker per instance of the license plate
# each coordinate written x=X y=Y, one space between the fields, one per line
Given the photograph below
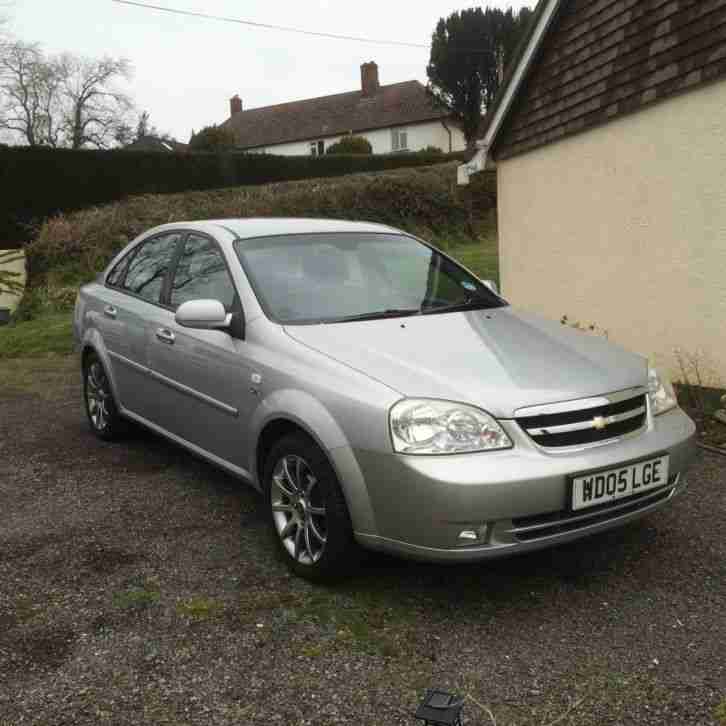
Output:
x=601 y=487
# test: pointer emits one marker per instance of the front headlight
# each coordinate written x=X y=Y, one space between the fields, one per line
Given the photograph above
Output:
x=422 y=426
x=660 y=392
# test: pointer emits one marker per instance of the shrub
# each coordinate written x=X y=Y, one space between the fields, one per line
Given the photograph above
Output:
x=351 y=145
x=72 y=248
x=40 y=183
x=431 y=150
x=213 y=138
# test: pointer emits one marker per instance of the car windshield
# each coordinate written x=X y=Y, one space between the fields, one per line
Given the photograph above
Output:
x=348 y=277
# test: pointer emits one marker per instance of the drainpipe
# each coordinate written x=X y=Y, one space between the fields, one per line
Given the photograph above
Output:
x=478 y=163
x=448 y=131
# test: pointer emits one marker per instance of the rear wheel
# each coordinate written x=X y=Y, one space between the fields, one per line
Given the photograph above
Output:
x=101 y=409
x=307 y=511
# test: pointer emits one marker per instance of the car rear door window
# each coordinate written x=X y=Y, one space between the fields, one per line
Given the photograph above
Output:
x=201 y=274
x=148 y=268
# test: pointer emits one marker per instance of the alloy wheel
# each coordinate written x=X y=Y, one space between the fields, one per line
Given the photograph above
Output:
x=298 y=509
x=98 y=395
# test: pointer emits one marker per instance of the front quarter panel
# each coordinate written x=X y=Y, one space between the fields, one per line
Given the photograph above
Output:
x=340 y=408
x=311 y=415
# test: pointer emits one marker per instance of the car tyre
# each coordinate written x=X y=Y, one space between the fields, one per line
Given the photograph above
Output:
x=101 y=409
x=307 y=512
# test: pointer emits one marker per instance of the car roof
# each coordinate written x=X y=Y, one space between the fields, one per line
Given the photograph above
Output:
x=273 y=226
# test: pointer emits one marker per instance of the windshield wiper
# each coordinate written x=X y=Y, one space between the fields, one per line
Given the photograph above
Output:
x=469 y=304
x=391 y=313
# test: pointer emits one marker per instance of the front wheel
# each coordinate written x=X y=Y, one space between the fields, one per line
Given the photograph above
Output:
x=307 y=511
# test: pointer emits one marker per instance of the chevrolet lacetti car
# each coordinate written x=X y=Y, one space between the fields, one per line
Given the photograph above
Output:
x=375 y=392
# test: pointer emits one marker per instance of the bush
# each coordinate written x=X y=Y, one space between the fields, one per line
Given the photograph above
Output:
x=73 y=248
x=40 y=183
x=431 y=150
x=351 y=145
x=213 y=138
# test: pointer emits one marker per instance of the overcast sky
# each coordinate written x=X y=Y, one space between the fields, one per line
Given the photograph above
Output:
x=186 y=69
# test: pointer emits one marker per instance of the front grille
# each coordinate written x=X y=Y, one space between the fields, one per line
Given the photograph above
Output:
x=586 y=426
x=546 y=525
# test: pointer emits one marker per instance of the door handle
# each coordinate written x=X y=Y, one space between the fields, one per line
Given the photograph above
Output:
x=165 y=336
x=110 y=312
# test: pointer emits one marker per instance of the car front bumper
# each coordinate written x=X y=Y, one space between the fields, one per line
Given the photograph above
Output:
x=515 y=500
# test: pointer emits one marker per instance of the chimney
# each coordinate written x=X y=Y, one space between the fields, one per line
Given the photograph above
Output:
x=235 y=105
x=369 y=79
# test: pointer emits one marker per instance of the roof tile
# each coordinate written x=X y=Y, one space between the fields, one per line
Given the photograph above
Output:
x=393 y=105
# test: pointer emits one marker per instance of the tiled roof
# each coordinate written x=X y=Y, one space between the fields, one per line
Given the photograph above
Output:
x=601 y=59
x=393 y=105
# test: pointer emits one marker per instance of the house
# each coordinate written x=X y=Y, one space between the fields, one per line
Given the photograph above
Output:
x=609 y=140
x=395 y=118
x=154 y=143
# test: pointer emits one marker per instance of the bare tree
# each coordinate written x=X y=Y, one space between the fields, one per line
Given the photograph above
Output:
x=126 y=133
x=93 y=108
x=5 y=40
x=60 y=101
x=29 y=94
x=144 y=127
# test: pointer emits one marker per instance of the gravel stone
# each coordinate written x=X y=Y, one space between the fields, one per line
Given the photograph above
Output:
x=138 y=585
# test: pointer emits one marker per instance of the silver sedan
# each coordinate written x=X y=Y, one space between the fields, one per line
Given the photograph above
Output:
x=375 y=392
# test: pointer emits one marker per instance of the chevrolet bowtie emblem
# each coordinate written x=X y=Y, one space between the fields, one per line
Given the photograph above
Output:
x=599 y=423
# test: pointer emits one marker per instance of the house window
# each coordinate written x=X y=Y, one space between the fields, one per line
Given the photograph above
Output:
x=399 y=140
x=317 y=148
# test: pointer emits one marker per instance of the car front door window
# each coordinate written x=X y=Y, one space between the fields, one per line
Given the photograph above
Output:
x=201 y=274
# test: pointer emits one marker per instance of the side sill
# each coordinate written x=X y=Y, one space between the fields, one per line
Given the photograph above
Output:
x=197 y=450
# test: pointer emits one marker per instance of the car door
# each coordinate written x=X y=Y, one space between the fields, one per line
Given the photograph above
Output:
x=132 y=292
x=201 y=377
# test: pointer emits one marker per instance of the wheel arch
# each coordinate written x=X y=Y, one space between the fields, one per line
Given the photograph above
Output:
x=273 y=431
x=92 y=343
x=289 y=411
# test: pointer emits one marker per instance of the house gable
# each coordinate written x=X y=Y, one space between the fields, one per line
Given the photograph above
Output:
x=602 y=59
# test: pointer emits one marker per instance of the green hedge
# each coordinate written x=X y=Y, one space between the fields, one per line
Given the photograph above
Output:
x=37 y=183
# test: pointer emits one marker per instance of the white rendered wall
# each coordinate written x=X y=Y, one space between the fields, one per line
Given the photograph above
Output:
x=420 y=136
x=624 y=227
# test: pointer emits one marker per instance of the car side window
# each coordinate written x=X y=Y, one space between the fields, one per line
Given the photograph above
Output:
x=116 y=276
x=148 y=268
x=201 y=274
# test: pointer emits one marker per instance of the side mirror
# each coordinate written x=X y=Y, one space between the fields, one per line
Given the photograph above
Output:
x=491 y=285
x=203 y=315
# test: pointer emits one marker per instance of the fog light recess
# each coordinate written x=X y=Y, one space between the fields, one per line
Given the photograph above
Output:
x=473 y=536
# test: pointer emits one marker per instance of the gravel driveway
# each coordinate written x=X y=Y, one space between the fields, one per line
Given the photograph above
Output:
x=138 y=585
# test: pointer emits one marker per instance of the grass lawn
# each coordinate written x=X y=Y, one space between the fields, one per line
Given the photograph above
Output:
x=482 y=259
x=50 y=333
x=40 y=375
